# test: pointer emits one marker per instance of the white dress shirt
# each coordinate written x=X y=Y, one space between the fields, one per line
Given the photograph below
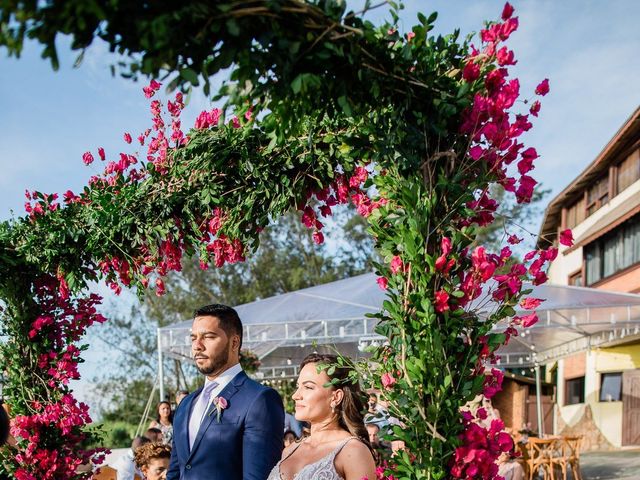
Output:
x=125 y=467
x=222 y=381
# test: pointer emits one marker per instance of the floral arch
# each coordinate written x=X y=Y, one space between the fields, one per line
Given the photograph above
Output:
x=412 y=128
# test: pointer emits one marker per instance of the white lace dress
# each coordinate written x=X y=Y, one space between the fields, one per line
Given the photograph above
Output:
x=323 y=469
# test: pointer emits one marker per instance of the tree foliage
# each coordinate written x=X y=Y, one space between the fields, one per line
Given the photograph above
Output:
x=287 y=260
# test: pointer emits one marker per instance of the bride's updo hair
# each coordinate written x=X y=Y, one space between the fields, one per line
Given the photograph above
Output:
x=350 y=410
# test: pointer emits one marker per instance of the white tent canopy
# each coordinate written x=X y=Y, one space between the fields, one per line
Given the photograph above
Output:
x=280 y=329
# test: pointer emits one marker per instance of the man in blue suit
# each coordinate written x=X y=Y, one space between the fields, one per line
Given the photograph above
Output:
x=232 y=427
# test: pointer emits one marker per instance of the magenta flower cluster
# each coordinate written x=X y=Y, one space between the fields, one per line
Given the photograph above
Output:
x=56 y=414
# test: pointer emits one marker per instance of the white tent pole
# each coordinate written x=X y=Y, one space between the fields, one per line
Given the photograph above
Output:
x=160 y=367
x=145 y=414
x=539 y=401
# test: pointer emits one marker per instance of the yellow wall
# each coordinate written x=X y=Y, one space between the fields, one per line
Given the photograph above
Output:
x=606 y=415
x=616 y=359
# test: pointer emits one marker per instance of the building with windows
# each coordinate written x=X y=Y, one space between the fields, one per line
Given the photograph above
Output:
x=598 y=389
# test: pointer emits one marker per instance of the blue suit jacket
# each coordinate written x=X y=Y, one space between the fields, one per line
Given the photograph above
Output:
x=246 y=443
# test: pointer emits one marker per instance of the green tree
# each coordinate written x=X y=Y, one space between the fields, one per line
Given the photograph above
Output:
x=287 y=260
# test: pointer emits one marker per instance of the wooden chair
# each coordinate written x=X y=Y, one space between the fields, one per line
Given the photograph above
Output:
x=557 y=458
x=536 y=456
x=571 y=457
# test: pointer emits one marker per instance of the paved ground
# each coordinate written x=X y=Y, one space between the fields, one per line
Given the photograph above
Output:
x=622 y=465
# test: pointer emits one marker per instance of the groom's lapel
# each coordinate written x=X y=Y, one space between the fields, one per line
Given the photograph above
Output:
x=229 y=391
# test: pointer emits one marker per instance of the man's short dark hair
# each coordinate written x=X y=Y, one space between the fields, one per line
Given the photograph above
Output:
x=229 y=320
x=153 y=434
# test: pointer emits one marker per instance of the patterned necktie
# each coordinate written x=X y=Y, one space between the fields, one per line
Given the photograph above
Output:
x=199 y=411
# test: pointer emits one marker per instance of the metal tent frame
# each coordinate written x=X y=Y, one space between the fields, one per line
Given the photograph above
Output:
x=280 y=329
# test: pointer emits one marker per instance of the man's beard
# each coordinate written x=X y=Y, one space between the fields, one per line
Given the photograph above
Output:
x=217 y=363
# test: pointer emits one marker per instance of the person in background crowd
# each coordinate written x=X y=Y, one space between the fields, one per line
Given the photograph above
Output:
x=125 y=466
x=4 y=432
x=152 y=459
x=164 y=422
x=289 y=438
x=338 y=446
x=154 y=434
x=382 y=448
x=376 y=413
x=293 y=425
x=180 y=395
x=509 y=468
x=4 y=426
x=373 y=430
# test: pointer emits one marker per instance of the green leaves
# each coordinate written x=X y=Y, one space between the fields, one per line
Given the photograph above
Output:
x=305 y=83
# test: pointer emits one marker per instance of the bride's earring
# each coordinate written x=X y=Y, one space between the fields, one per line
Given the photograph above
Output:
x=333 y=408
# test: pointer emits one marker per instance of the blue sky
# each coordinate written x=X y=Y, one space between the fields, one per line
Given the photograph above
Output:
x=588 y=50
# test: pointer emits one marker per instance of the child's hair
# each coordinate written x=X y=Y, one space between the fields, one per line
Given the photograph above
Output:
x=150 y=451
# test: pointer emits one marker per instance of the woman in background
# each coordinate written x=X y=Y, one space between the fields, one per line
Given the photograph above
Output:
x=164 y=422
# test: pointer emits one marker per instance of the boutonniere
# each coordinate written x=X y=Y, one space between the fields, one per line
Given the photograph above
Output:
x=220 y=404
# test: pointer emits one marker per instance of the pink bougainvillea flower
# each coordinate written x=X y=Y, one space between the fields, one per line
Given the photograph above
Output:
x=508 y=27
x=525 y=189
x=87 y=158
x=535 y=108
x=566 y=237
x=388 y=381
x=505 y=57
x=507 y=11
x=101 y=154
x=159 y=287
x=471 y=71
x=235 y=122
x=127 y=137
x=318 y=237
x=396 y=264
x=445 y=245
x=543 y=87
x=513 y=239
x=308 y=217
x=202 y=120
x=410 y=36
x=359 y=176
x=526 y=164
x=526 y=320
x=531 y=303
x=382 y=283
x=151 y=89
x=442 y=301
x=476 y=152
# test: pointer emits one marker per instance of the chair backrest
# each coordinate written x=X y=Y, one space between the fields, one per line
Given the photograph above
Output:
x=105 y=473
x=571 y=446
x=539 y=449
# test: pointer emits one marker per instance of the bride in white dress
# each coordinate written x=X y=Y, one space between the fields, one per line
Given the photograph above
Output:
x=338 y=446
